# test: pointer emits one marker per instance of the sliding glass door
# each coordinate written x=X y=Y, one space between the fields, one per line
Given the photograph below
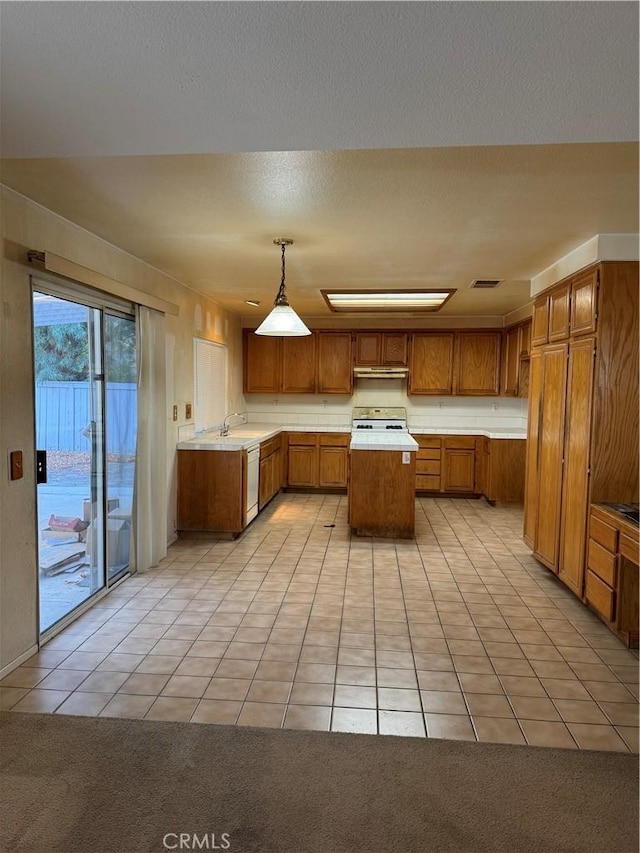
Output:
x=85 y=403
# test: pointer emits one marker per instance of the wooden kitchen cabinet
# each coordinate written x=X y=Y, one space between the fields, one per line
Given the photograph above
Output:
x=525 y=339
x=459 y=464
x=511 y=362
x=431 y=363
x=478 y=363
x=335 y=363
x=428 y=463
x=262 y=364
x=381 y=349
x=298 y=374
x=211 y=490
x=500 y=469
x=559 y=313
x=540 y=321
x=270 y=470
x=318 y=460
x=582 y=441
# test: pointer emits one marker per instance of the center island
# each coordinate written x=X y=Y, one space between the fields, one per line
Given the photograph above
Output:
x=381 y=495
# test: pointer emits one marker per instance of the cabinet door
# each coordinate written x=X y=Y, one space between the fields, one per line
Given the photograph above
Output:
x=264 y=490
x=533 y=438
x=368 y=349
x=335 y=363
x=303 y=465
x=333 y=467
x=394 y=349
x=511 y=362
x=550 y=454
x=540 y=321
x=525 y=339
x=584 y=291
x=575 y=486
x=459 y=470
x=559 y=313
x=299 y=365
x=262 y=373
x=431 y=363
x=478 y=363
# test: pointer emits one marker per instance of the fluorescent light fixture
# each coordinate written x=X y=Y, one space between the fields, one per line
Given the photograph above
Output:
x=282 y=322
x=386 y=300
x=253 y=302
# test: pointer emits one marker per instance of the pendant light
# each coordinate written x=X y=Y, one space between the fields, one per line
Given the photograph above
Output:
x=282 y=322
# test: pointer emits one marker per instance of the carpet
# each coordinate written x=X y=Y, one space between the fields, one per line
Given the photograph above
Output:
x=99 y=785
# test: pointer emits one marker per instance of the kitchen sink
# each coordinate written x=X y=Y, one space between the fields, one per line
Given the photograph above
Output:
x=630 y=511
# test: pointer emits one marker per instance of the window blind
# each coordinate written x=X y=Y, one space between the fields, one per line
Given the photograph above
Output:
x=210 y=381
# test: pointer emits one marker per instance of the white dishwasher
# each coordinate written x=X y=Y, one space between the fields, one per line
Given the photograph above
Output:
x=253 y=482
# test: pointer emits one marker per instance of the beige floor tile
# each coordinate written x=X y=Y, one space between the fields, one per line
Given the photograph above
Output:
x=488 y=705
x=434 y=680
x=442 y=702
x=396 y=660
x=512 y=666
x=25 y=676
x=237 y=669
x=171 y=708
x=621 y=713
x=398 y=699
x=47 y=658
x=275 y=671
x=214 y=634
x=158 y=664
x=197 y=666
x=9 y=696
x=261 y=714
x=316 y=718
x=534 y=708
x=186 y=686
x=496 y=730
x=577 y=711
x=356 y=720
x=282 y=651
x=307 y=693
x=319 y=673
x=564 y=688
x=472 y=682
x=227 y=688
x=120 y=663
x=401 y=723
x=64 y=679
x=436 y=663
x=516 y=685
x=589 y=736
x=84 y=704
x=608 y=692
x=551 y=669
x=269 y=691
x=449 y=727
x=103 y=682
x=543 y=733
x=130 y=707
x=629 y=735
x=478 y=664
x=405 y=678
x=350 y=696
x=144 y=684
x=319 y=654
x=222 y=712
x=593 y=672
x=356 y=657
x=365 y=676
x=41 y=701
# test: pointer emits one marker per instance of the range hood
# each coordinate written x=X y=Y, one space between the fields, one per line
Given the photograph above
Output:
x=380 y=372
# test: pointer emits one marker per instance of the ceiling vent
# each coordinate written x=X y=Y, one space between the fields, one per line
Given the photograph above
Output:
x=485 y=283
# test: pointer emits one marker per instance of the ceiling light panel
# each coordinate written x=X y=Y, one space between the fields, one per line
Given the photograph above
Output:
x=386 y=300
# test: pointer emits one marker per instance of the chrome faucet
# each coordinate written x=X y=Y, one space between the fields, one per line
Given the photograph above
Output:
x=224 y=429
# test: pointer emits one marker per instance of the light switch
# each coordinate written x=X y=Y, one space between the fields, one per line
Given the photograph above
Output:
x=15 y=465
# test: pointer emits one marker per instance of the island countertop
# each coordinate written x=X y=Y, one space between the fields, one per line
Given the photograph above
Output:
x=372 y=440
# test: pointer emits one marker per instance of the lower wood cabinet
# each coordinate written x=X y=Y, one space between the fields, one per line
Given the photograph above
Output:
x=611 y=582
x=271 y=470
x=318 y=460
x=459 y=464
x=211 y=490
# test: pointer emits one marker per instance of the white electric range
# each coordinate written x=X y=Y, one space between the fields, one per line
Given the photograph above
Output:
x=381 y=428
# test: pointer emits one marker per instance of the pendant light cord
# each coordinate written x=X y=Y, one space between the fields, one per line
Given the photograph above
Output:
x=281 y=298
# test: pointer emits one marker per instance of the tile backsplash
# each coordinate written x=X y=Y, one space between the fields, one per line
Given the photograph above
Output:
x=426 y=412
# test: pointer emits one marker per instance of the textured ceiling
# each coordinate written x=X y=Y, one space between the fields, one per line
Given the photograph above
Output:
x=398 y=144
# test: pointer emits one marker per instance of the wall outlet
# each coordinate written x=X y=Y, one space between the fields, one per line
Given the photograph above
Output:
x=175 y=413
x=406 y=457
x=188 y=411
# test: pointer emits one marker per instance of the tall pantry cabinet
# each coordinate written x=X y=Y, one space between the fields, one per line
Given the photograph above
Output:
x=582 y=442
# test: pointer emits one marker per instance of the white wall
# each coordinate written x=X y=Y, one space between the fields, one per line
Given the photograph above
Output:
x=434 y=412
x=26 y=225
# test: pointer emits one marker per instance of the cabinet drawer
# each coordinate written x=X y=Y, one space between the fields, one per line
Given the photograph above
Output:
x=428 y=482
x=428 y=466
x=428 y=441
x=603 y=533
x=267 y=448
x=335 y=439
x=629 y=548
x=303 y=438
x=600 y=596
x=461 y=442
x=429 y=453
x=602 y=563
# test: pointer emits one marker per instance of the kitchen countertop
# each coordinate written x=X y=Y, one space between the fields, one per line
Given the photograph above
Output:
x=392 y=440
x=247 y=435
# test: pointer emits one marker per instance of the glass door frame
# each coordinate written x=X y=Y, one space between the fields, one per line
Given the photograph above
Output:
x=81 y=294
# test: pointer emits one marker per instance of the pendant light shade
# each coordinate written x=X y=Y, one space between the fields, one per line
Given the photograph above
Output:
x=282 y=322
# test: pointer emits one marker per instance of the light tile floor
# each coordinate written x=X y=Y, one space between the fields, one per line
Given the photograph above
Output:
x=459 y=634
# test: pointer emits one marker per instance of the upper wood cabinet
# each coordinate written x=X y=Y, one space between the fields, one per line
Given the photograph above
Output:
x=511 y=361
x=334 y=363
x=525 y=339
x=381 y=349
x=540 y=321
x=478 y=363
x=298 y=365
x=431 y=363
x=584 y=292
x=262 y=364
x=559 y=301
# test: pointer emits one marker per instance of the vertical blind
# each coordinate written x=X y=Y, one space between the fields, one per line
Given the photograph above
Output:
x=210 y=384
